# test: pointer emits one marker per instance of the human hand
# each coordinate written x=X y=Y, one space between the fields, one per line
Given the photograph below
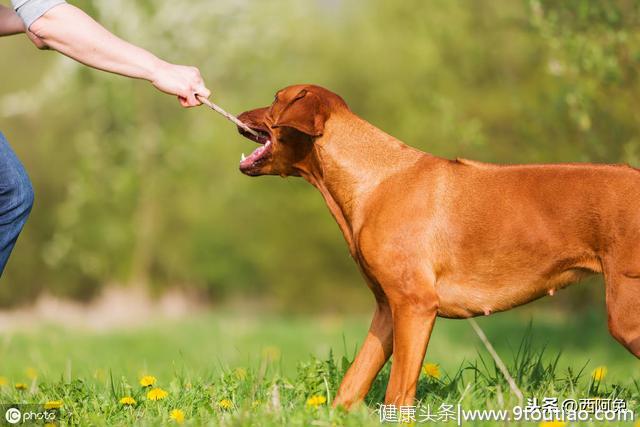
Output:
x=37 y=41
x=182 y=81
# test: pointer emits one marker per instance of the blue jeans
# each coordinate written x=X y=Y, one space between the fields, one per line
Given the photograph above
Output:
x=16 y=200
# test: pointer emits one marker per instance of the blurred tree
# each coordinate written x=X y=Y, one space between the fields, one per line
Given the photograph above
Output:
x=594 y=54
x=133 y=190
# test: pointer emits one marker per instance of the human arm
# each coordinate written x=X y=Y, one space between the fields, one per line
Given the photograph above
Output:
x=70 y=31
x=10 y=22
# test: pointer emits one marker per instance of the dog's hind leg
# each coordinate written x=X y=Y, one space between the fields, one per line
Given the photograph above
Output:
x=375 y=351
x=623 y=306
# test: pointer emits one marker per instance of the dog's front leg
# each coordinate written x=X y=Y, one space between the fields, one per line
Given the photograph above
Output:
x=375 y=351
x=413 y=317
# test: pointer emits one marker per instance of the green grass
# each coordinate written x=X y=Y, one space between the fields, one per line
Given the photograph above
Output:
x=196 y=360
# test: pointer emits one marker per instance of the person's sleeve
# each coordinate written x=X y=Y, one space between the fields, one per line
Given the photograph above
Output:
x=30 y=10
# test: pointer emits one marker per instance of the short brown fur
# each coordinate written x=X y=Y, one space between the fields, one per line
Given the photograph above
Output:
x=435 y=237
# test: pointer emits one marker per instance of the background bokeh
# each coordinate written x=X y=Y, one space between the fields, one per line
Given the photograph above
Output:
x=133 y=191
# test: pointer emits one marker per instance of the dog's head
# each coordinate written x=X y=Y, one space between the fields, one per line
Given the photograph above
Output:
x=288 y=129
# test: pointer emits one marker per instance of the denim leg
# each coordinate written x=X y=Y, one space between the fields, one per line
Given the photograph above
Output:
x=16 y=200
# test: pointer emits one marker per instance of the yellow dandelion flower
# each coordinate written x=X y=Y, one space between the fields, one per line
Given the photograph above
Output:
x=241 y=373
x=157 y=394
x=188 y=386
x=177 y=415
x=431 y=370
x=127 y=400
x=637 y=424
x=256 y=403
x=20 y=386
x=31 y=373
x=599 y=373
x=271 y=353
x=3 y=381
x=225 y=404
x=553 y=424
x=316 y=401
x=53 y=404
x=148 y=381
x=50 y=425
x=99 y=374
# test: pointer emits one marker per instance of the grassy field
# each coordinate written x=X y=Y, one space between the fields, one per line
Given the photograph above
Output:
x=222 y=368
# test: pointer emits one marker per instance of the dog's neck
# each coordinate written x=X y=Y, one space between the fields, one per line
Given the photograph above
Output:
x=349 y=161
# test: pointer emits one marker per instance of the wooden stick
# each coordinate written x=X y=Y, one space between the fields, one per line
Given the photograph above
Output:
x=228 y=116
x=496 y=358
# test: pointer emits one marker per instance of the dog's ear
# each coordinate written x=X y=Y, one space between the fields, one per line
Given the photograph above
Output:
x=306 y=112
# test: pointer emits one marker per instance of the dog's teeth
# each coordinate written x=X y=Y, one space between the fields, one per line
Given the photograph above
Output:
x=242 y=157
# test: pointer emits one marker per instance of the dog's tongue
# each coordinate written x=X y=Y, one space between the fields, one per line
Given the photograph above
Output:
x=248 y=160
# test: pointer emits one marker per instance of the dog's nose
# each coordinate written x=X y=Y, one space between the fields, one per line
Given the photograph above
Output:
x=243 y=116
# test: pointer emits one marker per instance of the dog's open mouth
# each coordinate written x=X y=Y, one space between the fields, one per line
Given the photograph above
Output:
x=260 y=154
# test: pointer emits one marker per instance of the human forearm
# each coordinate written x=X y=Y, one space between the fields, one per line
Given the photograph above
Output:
x=10 y=22
x=72 y=32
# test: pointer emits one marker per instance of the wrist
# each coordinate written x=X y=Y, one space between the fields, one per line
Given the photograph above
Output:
x=155 y=68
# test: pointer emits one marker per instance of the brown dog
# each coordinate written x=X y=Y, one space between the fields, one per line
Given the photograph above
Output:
x=450 y=238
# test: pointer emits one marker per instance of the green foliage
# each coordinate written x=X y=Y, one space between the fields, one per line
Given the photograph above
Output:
x=134 y=190
x=199 y=389
x=594 y=54
x=320 y=377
